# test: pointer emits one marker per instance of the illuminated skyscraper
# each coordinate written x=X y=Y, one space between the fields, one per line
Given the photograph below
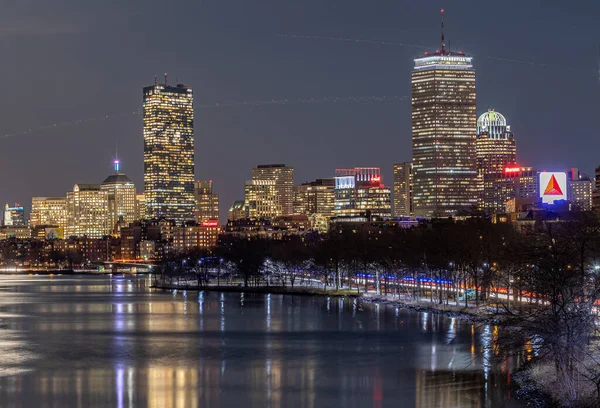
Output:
x=403 y=190
x=260 y=199
x=283 y=176
x=14 y=216
x=496 y=150
x=121 y=199
x=87 y=211
x=443 y=133
x=169 y=152
x=48 y=211
x=207 y=202
x=359 y=191
x=315 y=197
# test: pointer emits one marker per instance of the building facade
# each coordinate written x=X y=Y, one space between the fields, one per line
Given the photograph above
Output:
x=519 y=188
x=359 y=191
x=140 y=207
x=283 y=176
x=14 y=216
x=207 y=202
x=579 y=187
x=203 y=236
x=169 y=152
x=315 y=197
x=122 y=204
x=87 y=211
x=403 y=189
x=261 y=199
x=237 y=211
x=48 y=211
x=596 y=193
x=496 y=150
x=444 y=130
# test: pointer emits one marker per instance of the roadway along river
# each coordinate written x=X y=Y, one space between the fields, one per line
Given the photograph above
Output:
x=99 y=341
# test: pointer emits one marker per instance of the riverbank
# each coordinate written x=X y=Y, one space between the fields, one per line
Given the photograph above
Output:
x=39 y=272
x=482 y=314
x=275 y=290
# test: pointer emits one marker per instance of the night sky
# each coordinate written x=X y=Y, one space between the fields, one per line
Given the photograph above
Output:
x=67 y=60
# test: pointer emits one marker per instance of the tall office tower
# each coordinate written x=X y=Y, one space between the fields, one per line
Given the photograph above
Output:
x=315 y=197
x=48 y=211
x=169 y=152
x=496 y=150
x=207 y=202
x=579 y=190
x=140 y=207
x=360 y=190
x=403 y=193
x=14 y=216
x=261 y=199
x=284 y=184
x=444 y=125
x=87 y=211
x=121 y=199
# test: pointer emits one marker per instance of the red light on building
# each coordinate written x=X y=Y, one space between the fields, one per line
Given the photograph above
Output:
x=210 y=223
x=512 y=169
x=376 y=179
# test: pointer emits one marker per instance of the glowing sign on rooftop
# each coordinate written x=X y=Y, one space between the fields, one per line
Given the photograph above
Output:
x=553 y=186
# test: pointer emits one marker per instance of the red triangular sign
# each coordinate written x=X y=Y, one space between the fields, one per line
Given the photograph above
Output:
x=553 y=188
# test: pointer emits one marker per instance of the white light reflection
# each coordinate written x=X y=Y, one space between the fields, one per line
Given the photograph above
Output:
x=269 y=312
x=354 y=308
x=185 y=303
x=120 y=383
x=222 y=312
x=424 y=317
x=486 y=342
x=451 y=334
x=130 y=387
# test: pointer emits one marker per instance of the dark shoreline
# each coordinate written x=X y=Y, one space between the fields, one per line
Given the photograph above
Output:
x=274 y=290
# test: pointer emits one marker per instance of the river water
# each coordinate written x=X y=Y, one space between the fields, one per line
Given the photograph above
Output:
x=97 y=341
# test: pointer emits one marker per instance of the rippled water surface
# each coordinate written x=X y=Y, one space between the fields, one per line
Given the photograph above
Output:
x=100 y=341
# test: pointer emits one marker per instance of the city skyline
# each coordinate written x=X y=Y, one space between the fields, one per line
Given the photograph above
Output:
x=541 y=134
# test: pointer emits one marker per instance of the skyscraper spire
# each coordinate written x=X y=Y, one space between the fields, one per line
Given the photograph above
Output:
x=443 y=40
x=116 y=161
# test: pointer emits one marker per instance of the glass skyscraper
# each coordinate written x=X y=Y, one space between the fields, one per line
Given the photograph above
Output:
x=169 y=152
x=444 y=124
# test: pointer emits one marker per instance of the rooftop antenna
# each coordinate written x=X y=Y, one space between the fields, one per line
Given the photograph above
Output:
x=443 y=41
x=117 y=162
x=155 y=82
x=165 y=79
